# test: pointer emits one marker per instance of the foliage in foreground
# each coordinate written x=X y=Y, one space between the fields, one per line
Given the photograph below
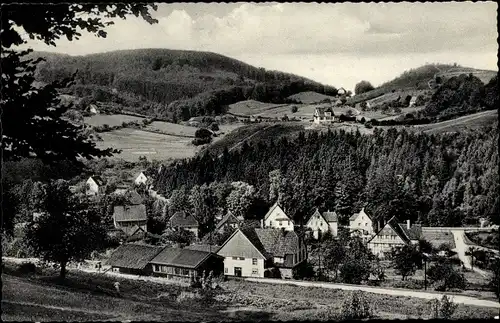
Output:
x=356 y=307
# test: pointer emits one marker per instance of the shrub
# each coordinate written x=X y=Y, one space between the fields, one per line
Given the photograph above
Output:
x=368 y=125
x=443 y=308
x=188 y=296
x=201 y=141
x=203 y=133
x=294 y=109
x=444 y=273
x=356 y=307
x=409 y=284
x=214 y=126
x=26 y=268
x=354 y=271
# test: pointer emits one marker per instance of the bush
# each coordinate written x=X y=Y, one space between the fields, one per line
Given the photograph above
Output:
x=201 y=141
x=409 y=284
x=368 y=125
x=444 y=273
x=294 y=109
x=203 y=133
x=214 y=126
x=356 y=307
x=354 y=271
x=444 y=308
x=27 y=268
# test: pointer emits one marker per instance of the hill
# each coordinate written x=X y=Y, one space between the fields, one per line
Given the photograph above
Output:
x=422 y=78
x=173 y=84
x=311 y=97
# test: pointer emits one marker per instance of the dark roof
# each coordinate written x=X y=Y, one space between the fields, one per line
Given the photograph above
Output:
x=183 y=219
x=400 y=229
x=130 y=213
x=330 y=216
x=353 y=217
x=185 y=258
x=133 y=256
x=98 y=180
x=138 y=234
x=414 y=233
x=204 y=247
x=229 y=218
x=273 y=242
x=251 y=223
x=321 y=111
x=133 y=197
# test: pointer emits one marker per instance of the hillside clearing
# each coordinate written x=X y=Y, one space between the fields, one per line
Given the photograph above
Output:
x=111 y=120
x=251 y=107
x=311 y=97
x=472 y=121
x=171 y=128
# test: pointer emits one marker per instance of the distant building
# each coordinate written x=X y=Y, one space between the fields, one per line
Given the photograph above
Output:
x=277 y=218
x=362 y=224
x=129 y=217
x=186 y=221
x=341 y=91
x=394 y=235
x=229 y=220
x=141 y=179
x=133 y=258
x=322 y=223
x=93 y=109
x=413 y=100
x=323 y=115
x=94 y=185
x=255 y=252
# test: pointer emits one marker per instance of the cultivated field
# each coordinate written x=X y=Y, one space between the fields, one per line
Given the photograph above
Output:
x=135 y=143
x=311 y=97
x=472 y=121
x=484 y=75
x=171 y=128
x=251 y=107
x=111 y=120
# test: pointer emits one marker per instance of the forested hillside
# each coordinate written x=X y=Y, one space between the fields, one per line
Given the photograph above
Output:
x=172 y=83
x=440 y=180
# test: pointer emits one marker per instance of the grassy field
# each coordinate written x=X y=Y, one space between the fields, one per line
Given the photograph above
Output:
x=135 y=143
x=438 y=238
x=171 y=128
x=86 y=296
x=472 y=121
x=251 y=107
x=484 y=75
x=311 y=97
x=111 y=120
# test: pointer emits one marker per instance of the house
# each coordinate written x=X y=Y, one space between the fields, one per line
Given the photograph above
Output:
x=183 y=220
x=393 y=235
x=129 y=217
x=322 y=223
x=121 y=189
x=413 y=100
x=341 y=91
x=186 y=263
x=141 y=179
x=255 y=252
x=93 y=109
x=362 y=224
x=133 y=197
x=133 y=258
x=323 y=115
x=94 y=185
x=203 y=247
x=277 y=218
x=229 y=220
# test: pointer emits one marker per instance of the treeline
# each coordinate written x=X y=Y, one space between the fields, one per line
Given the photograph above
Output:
x=443 y=180
x=181 y=83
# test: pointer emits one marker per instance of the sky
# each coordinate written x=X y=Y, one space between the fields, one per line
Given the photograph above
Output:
x=336 y=44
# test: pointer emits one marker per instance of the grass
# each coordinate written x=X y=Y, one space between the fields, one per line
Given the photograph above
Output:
x=484 y=239
x=171 y=128
x=80 y=297
x=135 y=143
x=469 y=122
x=311 y=97
x=439 y=237
x=111 y=120
x=250 y=107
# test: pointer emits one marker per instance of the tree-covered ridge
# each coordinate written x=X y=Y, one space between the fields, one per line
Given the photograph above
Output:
x=181 y=83
x=448 y=179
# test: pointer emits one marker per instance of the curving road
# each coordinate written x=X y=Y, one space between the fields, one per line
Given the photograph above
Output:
x=461 y=248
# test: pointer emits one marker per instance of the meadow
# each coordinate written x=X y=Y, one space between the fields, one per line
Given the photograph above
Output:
x=110 y=119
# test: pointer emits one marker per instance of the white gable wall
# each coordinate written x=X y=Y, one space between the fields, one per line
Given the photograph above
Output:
x=317 y=224
x=278 y=219
x=362 y=222
x=92 y=187
x=141 y=179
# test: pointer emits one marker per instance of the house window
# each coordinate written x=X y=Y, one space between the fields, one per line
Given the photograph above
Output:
x=235 y=258
x=279 y=223
x=177 y=271
x=185 y=272
x=365 y=224
x=242 y=258
x=254 y=261
x=156 y=268
x=163 y=269
x=225 y=270
x=255 y=271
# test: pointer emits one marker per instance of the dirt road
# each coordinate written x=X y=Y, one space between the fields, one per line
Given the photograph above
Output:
x=461 y=248
x=385 y=291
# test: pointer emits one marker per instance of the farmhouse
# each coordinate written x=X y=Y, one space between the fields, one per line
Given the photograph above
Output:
x=186 y=263
x=183 y=220
x=362 y=224
x=277 y=218
x=413 y=100
x=394 y=235
x=323 y=115
x=129 y=217
x=322 y=223
x=93 y=109
x=252 y=252
x=341 y=91
x=141 y=179
x=229 y=220
x=133 y=258
x=94 y=185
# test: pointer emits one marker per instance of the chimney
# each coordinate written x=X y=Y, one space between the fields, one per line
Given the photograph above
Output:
x=408 y=224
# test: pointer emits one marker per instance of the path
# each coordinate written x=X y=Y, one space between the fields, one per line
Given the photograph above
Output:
x=467 y=300
x=461 y=248
x=247 y=138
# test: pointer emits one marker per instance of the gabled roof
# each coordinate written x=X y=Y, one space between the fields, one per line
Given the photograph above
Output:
x=185 y=258
x=141 y=173
x=321 y=111
x=130 y=213
x=229 y=218
x=273 y=242
x=330 y=216
x=414 y=233
x=400 y=230
x=183 y=219
x=276 y=205
x=138 y=234
x=133 y=256
x=97 y=179
x=355 y=215
x=204 y=247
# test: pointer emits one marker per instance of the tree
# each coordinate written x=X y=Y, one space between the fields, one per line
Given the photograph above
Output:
x=294 y=109
x=69 y=228
x=334 y=255
x=356 y=307
x=405 y=260
x=495 y=281
x=355 y=270
x=362 y=87
x=443 y=272
x=240 y=198
x=363 y=106
x=35 y=127
x=203 y=133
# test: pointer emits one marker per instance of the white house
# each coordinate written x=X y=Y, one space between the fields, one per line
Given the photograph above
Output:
x=413 y=100
x=323 y=223
x=94 y=185
x=361 y=223
x=341 y=91
x=277 y=218
x=394 y=235
x=93 y=109
x=323 y=115
x=253 y=252
x=141 y=179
